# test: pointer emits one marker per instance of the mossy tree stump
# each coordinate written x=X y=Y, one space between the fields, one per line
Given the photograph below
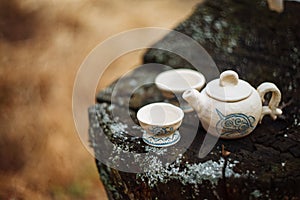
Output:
x=261 y=45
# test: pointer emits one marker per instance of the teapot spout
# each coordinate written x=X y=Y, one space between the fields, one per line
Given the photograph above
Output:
x=194 y=99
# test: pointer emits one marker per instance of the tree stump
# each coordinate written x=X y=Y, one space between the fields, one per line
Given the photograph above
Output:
x=261 y=45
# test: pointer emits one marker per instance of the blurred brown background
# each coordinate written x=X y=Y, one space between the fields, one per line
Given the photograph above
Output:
x=42 y=44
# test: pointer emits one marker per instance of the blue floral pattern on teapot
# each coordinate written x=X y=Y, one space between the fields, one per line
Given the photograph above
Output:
x=234 y=123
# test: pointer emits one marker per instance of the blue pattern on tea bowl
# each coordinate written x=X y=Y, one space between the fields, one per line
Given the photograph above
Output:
x=160 y=121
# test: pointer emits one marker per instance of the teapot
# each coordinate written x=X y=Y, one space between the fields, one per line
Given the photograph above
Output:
x=230 y=108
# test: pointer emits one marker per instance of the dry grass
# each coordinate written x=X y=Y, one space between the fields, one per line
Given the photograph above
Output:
x=42 y=44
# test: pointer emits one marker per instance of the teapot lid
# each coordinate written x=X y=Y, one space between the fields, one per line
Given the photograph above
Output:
x=228 y=87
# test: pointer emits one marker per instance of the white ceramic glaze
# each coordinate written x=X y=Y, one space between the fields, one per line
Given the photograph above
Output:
x=230 y=108
x=179 y=80
x=173 y=83
x=160 y=121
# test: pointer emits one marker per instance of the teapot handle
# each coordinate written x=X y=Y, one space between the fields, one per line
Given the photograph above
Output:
x=272 y=109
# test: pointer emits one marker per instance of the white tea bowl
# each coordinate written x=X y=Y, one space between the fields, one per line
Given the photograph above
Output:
x=173 y=83
x=160 y=119
x=179 y=80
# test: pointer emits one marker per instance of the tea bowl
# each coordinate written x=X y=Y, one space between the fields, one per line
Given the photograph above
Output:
x=160 y=122
x=173 y=83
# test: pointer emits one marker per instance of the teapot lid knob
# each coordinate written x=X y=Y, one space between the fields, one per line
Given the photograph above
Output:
x=229 y=78
x=228 y=87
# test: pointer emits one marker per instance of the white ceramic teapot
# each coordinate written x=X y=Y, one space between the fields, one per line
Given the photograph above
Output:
x=230 y=108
